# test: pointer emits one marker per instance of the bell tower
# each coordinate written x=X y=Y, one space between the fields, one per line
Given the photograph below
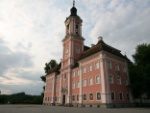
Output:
x=73 y=41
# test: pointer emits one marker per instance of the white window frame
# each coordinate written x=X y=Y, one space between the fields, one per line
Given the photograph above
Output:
x=111 y=81
x=90 y=97
x=124 y=68
x=119 y=96
x=73 y=74
x=117 y=67
x=84 y=69
x=98 y=80
x=90 y=67
x=119 y=80
x=109 y=64
x=100 y=96
x=78 y=84
x=97 y=65
x=90 y=81
x=72 y=97
x=84 y=82
x=73 y=85
x=111 y=95
x=126 y=81
x=77 y=49
x=85 y=97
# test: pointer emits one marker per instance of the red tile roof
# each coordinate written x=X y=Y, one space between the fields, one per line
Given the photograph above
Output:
x=101 y=45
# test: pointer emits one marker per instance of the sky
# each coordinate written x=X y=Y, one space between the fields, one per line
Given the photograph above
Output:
x=31 y=33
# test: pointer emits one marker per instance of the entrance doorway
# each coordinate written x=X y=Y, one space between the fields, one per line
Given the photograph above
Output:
x=64 y=98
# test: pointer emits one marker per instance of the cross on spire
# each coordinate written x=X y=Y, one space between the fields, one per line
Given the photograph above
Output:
x=73 y=3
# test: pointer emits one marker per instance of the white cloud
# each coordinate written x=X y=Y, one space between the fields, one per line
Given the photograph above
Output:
x=35 y=29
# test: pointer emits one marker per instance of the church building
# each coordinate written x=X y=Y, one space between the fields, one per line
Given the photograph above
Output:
x=95 y=76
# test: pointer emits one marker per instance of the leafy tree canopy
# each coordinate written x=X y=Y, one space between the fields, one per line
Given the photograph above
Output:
x=51 y=64
x=140 y=72
x=142 y=55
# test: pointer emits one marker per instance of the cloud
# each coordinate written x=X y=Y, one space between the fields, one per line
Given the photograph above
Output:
x=16 y=71
x=11 y=59
x=123 y=24
x=31 y=33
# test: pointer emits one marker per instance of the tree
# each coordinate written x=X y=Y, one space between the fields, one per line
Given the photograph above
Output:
x=48 y=66
x=140 y=72
x=51 y=64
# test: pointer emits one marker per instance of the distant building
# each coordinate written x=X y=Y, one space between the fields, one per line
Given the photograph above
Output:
x=94 y=76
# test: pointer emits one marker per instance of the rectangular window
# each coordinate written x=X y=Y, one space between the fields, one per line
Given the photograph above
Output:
x=84 y=82
x=77 y=97
x=77 y=49
x=128 y=98
x=120 y=96
x=124 y=68
x=64 y=76
x=73 y=98
x=57 y=88
x=90 y=81
x=84 y=97
x=73 y=74
x=78 y=84
x=117 y=67
x=73 y=85
x=98 y=96
x=96 y=65
x=111 y=79
x=119 y=80
x=84 y=70
x=91 y=96
x=78 y=73
x=45 y=98
x=55 y=98
x=109 y=65
x=97 y=79
x=76 y=26
x=126 y=81
x=112 y=96
x=90 y=67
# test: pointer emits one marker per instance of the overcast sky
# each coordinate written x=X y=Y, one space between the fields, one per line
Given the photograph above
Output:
x=31 y=33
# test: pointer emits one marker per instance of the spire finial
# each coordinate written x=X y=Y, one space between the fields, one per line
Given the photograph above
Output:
x=73 y=3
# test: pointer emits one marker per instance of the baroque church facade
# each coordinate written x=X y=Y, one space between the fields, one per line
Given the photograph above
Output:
x=94 y=76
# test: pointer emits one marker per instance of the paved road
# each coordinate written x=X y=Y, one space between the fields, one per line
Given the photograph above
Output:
x=60 y=109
